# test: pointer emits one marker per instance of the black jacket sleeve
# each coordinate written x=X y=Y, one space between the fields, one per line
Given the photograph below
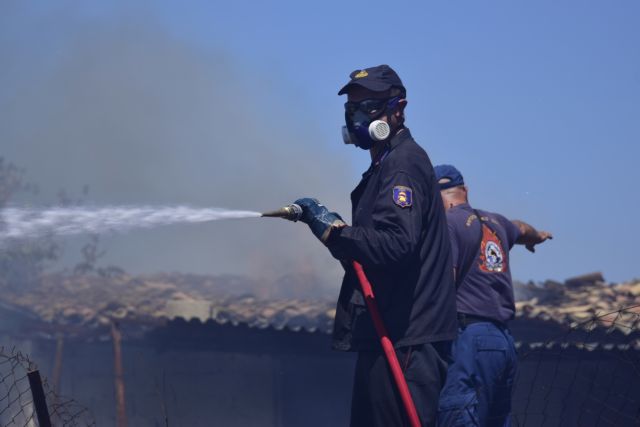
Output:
x=396 y=232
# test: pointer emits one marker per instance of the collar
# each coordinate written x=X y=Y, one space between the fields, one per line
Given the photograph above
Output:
x=463 y=206
x=401 y=136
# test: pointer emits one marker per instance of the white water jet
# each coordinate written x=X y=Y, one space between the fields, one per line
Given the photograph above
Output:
x=28 y=223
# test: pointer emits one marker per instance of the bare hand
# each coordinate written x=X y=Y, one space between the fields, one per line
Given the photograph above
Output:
x=541 y=237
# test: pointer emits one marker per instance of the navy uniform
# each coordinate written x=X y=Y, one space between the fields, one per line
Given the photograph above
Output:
x=399 y=235
x=480 y=379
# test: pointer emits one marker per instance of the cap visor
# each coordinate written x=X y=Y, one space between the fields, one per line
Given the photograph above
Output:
x=371 y=85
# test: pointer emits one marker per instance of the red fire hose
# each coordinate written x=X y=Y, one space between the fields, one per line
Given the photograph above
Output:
x=387 y=347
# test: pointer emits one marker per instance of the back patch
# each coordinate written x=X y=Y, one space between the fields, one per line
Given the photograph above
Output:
x=402 y=196
x=492 y=259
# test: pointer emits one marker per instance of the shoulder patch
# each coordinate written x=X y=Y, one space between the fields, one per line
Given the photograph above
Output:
x=402 y=196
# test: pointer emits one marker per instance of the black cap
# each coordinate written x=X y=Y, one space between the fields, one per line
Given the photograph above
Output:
x=377 y=79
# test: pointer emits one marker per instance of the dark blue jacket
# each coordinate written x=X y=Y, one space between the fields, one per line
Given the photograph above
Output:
x=399 y=235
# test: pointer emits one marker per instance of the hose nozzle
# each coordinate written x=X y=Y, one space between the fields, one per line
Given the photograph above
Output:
x=292 y=212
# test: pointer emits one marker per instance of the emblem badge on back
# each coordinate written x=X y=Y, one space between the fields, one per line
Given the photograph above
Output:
x=492 y=258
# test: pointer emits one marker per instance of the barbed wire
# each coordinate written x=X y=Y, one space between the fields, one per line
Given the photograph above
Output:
x=17 y=407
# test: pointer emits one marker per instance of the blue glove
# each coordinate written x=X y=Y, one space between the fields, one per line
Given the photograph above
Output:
x=318 y=218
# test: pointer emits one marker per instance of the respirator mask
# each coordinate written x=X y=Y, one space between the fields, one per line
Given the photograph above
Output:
x=363 y=125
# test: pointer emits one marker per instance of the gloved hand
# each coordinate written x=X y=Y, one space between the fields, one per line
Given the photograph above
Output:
x=318 y=218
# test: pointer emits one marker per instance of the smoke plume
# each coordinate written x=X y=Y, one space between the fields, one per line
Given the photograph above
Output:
x=115 y=101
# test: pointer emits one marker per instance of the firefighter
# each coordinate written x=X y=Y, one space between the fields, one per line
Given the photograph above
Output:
x=399 y=235
x=479 y=381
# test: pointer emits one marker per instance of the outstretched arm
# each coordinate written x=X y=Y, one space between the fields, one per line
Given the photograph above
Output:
x=529 y=236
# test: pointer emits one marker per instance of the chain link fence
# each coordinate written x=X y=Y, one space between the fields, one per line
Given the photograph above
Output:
x=27 y=400
x=589 y=376
x=586 y=377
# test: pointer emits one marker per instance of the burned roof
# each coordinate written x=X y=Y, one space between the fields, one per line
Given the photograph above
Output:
x=586 y=300
x=85 y=305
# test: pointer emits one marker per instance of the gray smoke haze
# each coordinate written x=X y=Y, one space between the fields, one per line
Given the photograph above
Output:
x=142 y=117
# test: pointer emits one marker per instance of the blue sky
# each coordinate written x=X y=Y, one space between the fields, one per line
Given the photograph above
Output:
x=537 y=103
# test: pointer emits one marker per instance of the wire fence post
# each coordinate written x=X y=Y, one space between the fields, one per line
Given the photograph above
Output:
x=57 y=364
x=121 y=413
x=39 y=399
x=27 y=399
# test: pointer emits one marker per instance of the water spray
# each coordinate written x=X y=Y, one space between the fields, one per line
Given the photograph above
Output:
x=30 y=223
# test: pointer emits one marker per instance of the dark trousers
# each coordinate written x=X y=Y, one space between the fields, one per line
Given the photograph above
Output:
x=376 y=401
x=479 y=381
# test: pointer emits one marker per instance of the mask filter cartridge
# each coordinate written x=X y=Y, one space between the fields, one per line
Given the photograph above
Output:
x=379 y=130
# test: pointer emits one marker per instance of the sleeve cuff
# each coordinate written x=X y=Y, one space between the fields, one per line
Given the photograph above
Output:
x=334 y=243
